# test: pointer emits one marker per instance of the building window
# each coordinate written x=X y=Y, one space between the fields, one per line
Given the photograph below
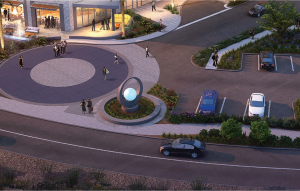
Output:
x=85 y=16
x=79 y=17
x=91 y=15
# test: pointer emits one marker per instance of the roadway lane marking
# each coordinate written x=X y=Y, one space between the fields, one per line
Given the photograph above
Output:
x=269 y=108
x=202 y=19
x=292 y=63
x=245 y=109
x=222 y=105
x=159 y=158
x=198 y=105
x=258 y=62
x=275 y=63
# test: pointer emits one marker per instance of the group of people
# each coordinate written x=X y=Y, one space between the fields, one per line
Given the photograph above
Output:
x=50 y=22
x=63 y=49
x=103 y=22
x=6 y=13
x=89 y=106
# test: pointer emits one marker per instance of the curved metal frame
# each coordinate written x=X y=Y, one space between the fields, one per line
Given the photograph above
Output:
x=139 y=92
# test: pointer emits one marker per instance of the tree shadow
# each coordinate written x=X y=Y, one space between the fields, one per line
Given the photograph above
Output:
x=7 y=141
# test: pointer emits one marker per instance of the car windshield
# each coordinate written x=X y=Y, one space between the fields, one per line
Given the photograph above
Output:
x=208 y=101
x=197 y=143
x=175 y=143
x=257 y=104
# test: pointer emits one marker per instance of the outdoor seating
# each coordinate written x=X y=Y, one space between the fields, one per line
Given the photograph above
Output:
x=32 y=29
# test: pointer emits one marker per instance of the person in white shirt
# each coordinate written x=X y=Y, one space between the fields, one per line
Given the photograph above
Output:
x=116 y=57
x=153 y=6
x=147 y=52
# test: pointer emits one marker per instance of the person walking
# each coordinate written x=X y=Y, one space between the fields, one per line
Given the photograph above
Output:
x=55 y=50
x=21 y=61
x=89 y=105
x=58 y=50
x=52 y=22
x=8 y=15
x=107 y=24
x=82 y=104
x=147 y=51
x=65 y=45
x=102 y=23
x=105 y=71
x=251 y=33
x=153 y=6
x=160 y=25
x=116 y=57
x=5 y=13
x=48 y=26
x=215 y=57
x=93 y=25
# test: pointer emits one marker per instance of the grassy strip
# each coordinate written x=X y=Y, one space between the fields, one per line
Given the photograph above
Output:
x=172 y=10
x=213 y=136
x=236 y=2
x=201 y=57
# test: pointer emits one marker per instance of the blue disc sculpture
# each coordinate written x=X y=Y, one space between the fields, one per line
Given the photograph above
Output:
x=130 y=106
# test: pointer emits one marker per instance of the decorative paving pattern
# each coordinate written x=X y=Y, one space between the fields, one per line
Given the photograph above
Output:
x=18 y=84
x=62 y=72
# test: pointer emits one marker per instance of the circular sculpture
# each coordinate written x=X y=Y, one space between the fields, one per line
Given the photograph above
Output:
x=130 y=106
x=130 y=94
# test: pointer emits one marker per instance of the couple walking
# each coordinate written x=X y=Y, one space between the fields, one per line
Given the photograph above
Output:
x=89 y=106
x=58 y=50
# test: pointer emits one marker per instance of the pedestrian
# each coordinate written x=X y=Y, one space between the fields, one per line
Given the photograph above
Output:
x=8 y=15
x=62 y=47
x=105 y=71
x=102 y=23
x=21 y=61
x=58 y=50
x=216 y=50
x=251 y=33
x=215 y=58
x=116 y=57
x=65 y=46
x=89 y=105
x=5 y=13
x=147 y=51
x=82 y=104
x=52 y=22
x=48 y=22
x=160 y=25
x=93 y=25
x=153 y=6
x=55 y=50
x=107 y=24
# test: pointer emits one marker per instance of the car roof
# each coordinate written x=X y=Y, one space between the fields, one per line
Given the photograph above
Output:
x=209 y=93
x=257 y=6
x=257 y=97
x=186 y=141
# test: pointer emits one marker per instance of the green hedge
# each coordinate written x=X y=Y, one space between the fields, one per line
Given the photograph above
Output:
x=236 y=2
x=189 y=117
x=201 y=57
x=297 y=108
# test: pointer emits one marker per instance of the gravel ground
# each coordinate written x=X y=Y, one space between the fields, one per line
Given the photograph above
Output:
x=29 y=168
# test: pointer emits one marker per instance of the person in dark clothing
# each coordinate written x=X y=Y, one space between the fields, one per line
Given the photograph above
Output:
x=52 y=22
x=62 y=45
x=8 y=15
x=5 y=13
x=147 y=52
x=89 y=105
x=215 y=57
x=58 y=50
x=251 y=33
x=21 y=61
x=102 y=23
x=104 y=71
x=48 y=22
x=82 y=104
x=107 y=24
x=55 y=50
x=65 y=46
x=153 y=6
x=93 y=25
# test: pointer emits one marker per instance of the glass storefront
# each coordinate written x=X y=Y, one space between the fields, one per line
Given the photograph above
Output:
x=15 y=13
x=85 y=16
x=43 y=14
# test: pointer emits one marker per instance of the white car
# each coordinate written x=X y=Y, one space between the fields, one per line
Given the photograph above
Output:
x=257 y=105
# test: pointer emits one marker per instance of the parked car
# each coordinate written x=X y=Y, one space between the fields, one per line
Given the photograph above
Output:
x=208 y=103
x=183 y=146
x=257 y=105
x=266 y=59
x=257 y=11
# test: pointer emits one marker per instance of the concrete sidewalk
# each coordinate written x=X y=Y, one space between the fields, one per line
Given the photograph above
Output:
x=209 y=64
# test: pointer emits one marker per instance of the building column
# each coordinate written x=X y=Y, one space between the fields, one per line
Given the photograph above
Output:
x=25 y=12
x=62 y=18
x=113 y=19
x=75 y=17
x=33 y=17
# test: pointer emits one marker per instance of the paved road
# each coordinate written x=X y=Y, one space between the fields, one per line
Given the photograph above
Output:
x=98 y=149
x=173 y=53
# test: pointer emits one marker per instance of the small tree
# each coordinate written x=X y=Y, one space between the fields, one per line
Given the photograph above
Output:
x=260 y=131
x=279 y=17
x=230 y=129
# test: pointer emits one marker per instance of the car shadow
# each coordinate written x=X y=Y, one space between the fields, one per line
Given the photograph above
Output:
x=210 y=156
x=7 y=141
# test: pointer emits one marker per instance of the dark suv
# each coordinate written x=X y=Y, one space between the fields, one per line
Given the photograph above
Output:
x=266 y=59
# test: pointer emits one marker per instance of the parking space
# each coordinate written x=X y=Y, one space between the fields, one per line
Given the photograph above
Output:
x=296 y=63
x=285 y=66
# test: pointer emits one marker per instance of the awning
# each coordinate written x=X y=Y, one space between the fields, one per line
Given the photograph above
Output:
x=14 y=3
x=45 y=7
x=98 y=4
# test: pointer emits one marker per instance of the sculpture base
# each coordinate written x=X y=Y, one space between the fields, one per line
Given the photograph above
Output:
x=132 y=109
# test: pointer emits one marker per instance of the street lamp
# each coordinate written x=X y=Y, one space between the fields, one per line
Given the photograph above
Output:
x=172 y=4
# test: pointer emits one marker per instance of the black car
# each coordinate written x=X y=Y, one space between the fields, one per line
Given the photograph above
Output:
x=183 y=146
x=257 y=10
x=266 y=59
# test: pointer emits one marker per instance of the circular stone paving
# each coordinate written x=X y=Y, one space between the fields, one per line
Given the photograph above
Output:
x=69 y=78
x=62 y=72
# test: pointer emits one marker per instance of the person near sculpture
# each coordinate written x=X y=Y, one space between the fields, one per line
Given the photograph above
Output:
x=93 y=25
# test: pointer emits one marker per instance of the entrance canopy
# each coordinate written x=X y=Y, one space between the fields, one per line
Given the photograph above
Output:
x=13 y=3
x=45 y=7
x=97 y=4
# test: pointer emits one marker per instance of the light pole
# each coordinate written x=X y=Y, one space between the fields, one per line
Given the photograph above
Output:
x=172 y=4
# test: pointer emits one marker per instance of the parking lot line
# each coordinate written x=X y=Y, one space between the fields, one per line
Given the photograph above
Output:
x=245 y=109
x=275 y=62
x=222 y=105
x=258 y=62
x=269 y=108
x=198 y=105
x=292 y=63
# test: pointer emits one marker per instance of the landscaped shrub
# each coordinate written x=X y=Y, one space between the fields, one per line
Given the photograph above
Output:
x=137 y=17
x=8 y=176
x=22 y=45
x=272 y=141
x=296 y=142
x=3 y=55
x=129 y=12
x=231 y=129
x=138 y=184
x=168 y=7
x=72 y=176
x=285 y=141
x=214 y=133
x=259 y=131
x=41 y=41
x=203 y=133
x=297 y=108
x=155 y=25
x=236 y=2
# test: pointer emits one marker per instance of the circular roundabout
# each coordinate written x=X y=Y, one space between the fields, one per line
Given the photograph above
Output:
x=73 y=76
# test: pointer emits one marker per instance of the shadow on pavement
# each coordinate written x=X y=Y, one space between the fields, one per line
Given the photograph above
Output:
x=279 y=110
x=279 y=151
x=7 y=141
